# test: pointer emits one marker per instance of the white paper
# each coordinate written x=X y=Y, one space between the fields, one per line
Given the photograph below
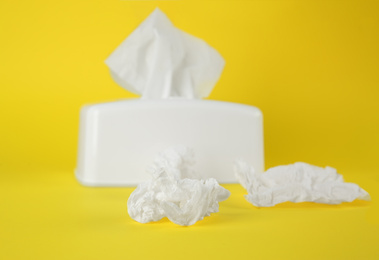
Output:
x=160 y=61
x=173 y=193
x=297 y=182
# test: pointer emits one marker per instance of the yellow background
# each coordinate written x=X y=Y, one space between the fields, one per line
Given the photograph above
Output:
x=310 y=66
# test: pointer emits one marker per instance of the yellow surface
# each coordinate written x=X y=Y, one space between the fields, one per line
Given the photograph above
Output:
x=48 y=215
x=311 y=66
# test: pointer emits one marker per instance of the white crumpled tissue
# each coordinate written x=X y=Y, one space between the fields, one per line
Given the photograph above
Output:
x=297 y=182
x=158 y=60
x=173 y=191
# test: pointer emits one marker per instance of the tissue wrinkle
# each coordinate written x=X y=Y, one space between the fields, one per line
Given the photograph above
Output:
x=173 y=191
x=297 y=182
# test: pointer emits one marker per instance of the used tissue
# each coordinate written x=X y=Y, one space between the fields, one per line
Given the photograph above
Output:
x=160 y=61
x=297 y=182
x=173 y=191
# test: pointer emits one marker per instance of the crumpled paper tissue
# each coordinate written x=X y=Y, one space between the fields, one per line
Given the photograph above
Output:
x=297 y=182
x=160 y=61
x=173 y=191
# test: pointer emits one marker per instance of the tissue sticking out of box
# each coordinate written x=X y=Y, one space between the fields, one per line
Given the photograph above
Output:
x=174 y=193
x=160 y=61
x=297 y=182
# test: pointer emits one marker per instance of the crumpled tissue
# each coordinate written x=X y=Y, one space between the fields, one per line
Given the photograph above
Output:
x=297 y=182
x=160 y=61
x=174 y=193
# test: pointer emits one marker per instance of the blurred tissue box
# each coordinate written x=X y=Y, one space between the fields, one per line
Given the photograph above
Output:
x=172 y=71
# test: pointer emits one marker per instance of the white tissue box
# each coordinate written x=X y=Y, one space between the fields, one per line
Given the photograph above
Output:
x=119 y=140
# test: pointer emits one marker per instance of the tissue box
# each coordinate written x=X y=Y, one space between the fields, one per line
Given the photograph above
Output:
x=118 y=140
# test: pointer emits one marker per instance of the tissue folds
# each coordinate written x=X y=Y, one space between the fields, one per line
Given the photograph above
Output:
x=297 y=182
x=173 y=193
x=160 y=61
